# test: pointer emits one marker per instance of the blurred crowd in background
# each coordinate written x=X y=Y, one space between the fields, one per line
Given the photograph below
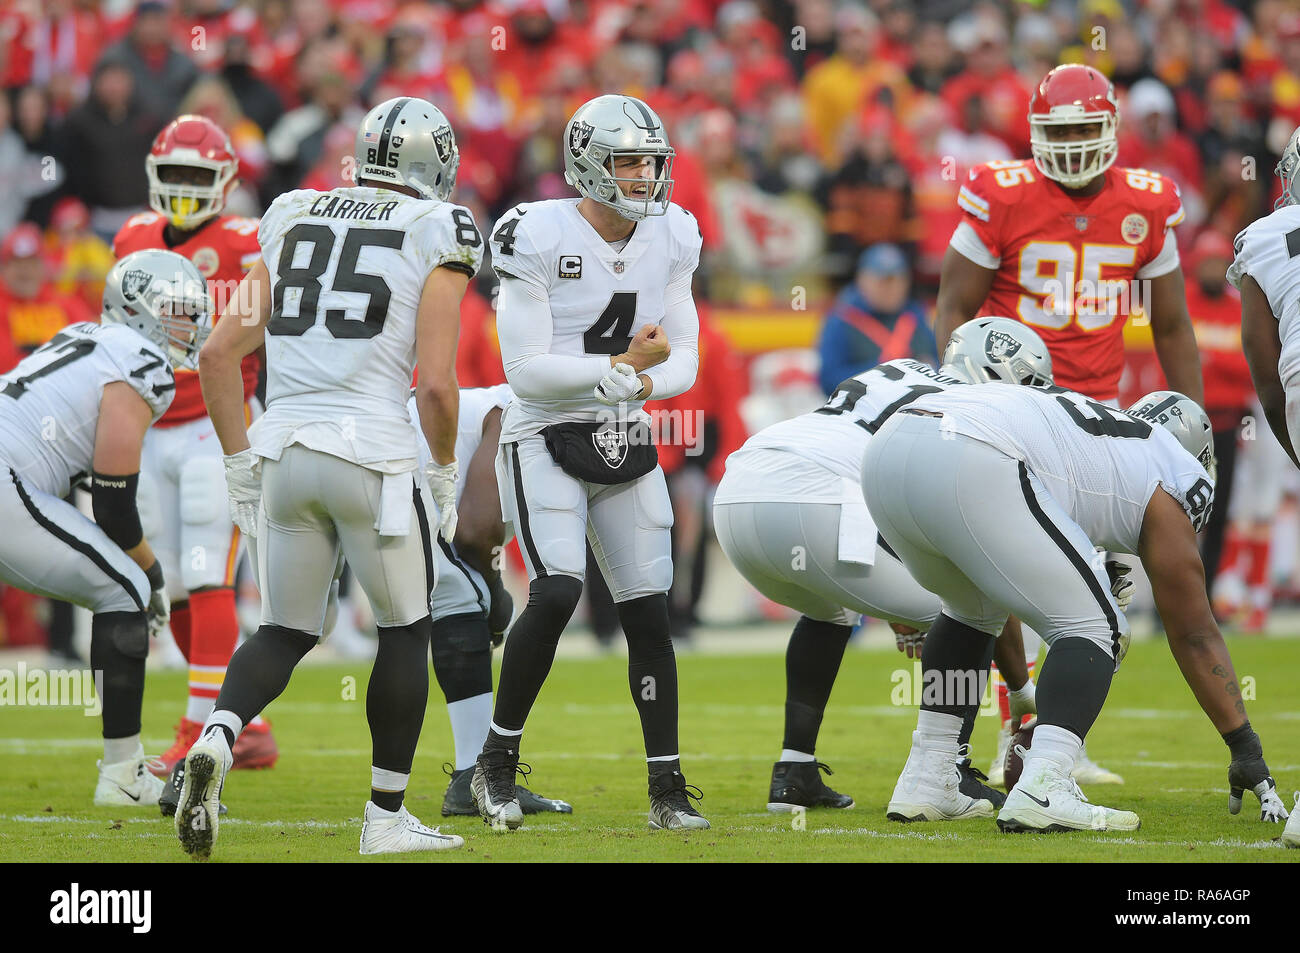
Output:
x=820 y=145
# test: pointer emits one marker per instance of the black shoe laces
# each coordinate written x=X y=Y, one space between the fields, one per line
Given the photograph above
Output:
x=679 y=796
x=500 y=776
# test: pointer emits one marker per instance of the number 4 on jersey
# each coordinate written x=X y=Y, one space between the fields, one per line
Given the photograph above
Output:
x=612 y=332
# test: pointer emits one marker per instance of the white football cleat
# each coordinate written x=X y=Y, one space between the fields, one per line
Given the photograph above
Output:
x=997 y=777
x=388 y=832
x=128 y=783
x=1291 y=833
x=928 y=789
x=199 y=806
x=1048 y=799
x=1087 y=771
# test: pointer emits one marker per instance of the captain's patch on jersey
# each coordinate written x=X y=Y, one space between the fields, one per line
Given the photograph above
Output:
x=570 y=266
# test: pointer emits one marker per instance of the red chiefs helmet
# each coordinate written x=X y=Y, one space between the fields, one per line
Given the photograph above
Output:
x=191 y=169
x=1073 y=95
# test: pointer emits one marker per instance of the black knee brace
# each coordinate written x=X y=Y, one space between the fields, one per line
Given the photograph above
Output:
x=119 y=644
x=462 y=655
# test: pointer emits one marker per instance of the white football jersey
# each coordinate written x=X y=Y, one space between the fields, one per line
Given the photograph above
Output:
x=347 y=270
x=599 y=296
x=475 y=403
x=1100 y=464
x=1266 y=250
x=834 y=436
x=49 y=403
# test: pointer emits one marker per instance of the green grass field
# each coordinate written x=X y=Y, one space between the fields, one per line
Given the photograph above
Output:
x=584 y=745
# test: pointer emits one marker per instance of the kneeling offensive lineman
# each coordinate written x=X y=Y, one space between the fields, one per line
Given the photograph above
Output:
x=79 y=406
x=354 y=285
x=595 y=313
x=791 y=518
x=994 y=498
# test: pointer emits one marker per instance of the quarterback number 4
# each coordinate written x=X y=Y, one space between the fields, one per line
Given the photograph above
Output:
x=307 y=280
x=612 y=332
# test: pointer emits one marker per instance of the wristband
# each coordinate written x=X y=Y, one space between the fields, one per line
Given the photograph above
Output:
x=1244 y=743
x=155 y=575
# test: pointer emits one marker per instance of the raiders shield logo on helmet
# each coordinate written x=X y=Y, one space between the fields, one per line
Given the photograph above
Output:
x=612 y=445
x=443 y=144
x=1000 y=345
x=579 y=136
x=134 y=283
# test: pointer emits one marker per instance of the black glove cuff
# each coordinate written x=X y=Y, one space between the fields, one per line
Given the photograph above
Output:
x=1244 y=743
x=155 y=575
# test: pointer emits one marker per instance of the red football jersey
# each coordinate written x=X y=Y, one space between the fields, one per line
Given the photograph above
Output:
x=223 y=250
x=1071 y=268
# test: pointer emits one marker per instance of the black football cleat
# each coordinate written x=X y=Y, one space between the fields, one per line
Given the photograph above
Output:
x=459 y=800
x=799 y=784
x=536 y=804
x=670 y=801
x=972 y=780
x=171 y=793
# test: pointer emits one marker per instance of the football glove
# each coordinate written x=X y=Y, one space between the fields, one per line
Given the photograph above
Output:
x=619 y=385
x=441 y=478
x=908 y=639
x=158 y=612
x=244 y=487
x=1248 y=770
x=1022 y=701
x=1121 y=587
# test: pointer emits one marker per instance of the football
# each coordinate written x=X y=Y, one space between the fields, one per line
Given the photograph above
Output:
x=1012 y=766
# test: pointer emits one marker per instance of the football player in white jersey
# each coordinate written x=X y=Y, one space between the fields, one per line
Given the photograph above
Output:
x=595 y=316
x=994 y=498
x=791 y=518
x=78 y=407
x=1266 y=274
x=355 y=287
x=471 y=607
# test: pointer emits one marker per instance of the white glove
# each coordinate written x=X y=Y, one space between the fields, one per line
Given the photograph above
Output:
x=441 y=478
x=620 y=384
x=158 y=612
x=1022 y=701
x=1121 y=587
x=244 y=487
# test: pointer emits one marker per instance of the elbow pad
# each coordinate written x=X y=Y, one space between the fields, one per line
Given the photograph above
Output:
x=113 y=501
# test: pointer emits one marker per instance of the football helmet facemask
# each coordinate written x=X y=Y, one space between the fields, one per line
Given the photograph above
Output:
x=1288 y=169
x=606 y=129
x=997 y=349
x=161 y=295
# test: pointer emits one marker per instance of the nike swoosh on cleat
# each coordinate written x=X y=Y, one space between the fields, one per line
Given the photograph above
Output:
x=133 y=797
x=1046 y=803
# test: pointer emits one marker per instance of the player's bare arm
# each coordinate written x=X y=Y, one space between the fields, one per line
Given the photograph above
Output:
x=481 y=531
x=123 y=419
x=1175 y=341
x=437 y=393
x=1263 y=347
x=963 y=287
x=1170 y=556
x=239 y=333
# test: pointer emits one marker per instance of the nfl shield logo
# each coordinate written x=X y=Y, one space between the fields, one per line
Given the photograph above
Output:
x=612 y=445
x=1081 y=223
x=618 y=267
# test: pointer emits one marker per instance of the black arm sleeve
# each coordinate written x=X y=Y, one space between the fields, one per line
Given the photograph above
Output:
x=113 y=501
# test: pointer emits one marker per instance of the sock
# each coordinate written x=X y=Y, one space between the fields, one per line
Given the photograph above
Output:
x=1073 y=686
x=397 y=695
x=260 y=668
x=529 y=652
x=388 y=788
x=1058 y=745
x=1231 y=552
x=812 y=660
x=117 y=750
x=1257 y=575
x=652 y=671
x=119 y=644
x=229 y=723
x=939 y=730
x=470 y=722
x=180 y=625
x=789 y=754
x=214 y=629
